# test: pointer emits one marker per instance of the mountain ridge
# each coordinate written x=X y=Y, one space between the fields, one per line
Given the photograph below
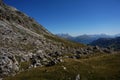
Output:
x=107 y=42
x=85 y=38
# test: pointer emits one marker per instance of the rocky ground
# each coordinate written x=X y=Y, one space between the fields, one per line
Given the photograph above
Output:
x=94 y=67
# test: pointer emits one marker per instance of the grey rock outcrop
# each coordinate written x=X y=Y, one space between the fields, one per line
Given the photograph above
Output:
x=8 y=64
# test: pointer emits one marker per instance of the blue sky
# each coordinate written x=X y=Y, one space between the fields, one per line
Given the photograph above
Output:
x=75 y=17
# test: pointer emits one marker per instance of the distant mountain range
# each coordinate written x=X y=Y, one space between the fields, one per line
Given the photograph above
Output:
x=107 y=42
x=86 y=39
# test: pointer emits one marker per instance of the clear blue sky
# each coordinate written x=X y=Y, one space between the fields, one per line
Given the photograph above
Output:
x=73 y=16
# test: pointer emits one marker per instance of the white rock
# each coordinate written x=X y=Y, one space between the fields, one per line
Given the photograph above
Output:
x=78 y=77
x=64 y=67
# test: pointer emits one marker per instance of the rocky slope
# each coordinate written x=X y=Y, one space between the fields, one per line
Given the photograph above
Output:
x=97 y=67
x=23 y=40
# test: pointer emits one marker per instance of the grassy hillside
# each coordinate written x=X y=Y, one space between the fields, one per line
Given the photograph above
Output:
x=102 y=67
x=65 y=42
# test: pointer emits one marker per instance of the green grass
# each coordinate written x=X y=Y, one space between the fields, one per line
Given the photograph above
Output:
x=102 y=67
x=65 y=42
x=24 y=65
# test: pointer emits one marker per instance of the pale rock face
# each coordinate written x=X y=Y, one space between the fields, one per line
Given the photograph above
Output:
x=8 y=64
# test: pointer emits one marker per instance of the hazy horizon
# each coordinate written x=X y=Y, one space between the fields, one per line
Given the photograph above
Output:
x=75 y=17
x=87 y=34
